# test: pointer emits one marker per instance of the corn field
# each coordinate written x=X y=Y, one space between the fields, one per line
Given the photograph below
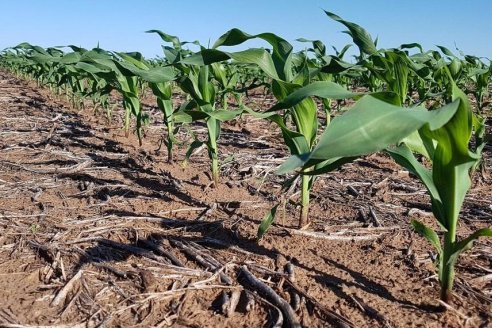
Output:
x=423 y=113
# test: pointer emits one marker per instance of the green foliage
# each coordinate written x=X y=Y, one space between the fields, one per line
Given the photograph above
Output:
x=447 y=182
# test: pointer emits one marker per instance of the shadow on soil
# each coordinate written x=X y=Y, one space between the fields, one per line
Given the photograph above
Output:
x=212 y=235
x=363 y=283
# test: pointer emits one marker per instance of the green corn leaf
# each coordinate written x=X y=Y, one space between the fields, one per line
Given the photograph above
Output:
x=213 y=127
x=189 y=84
x=172 y=55
x=404 y=156
x=220 y=73
x=266 y=222
x=359 y=35
x=152 y=75
x=259 y=57
x=224 y=115
x=417 y=145
x=292 y=163
x=255 y=114
x=232 y=37
x=189 y=116
x=134 y=102
x=167 y=38
x=166 y=107
x=235 y=36
x=206 y=57
x=191 y=148
x=134 y=58
x=281 y=55
x=76 y=49
x=411 y=46
x=70 y=58
x=322 y=89
x=455 y=67
x=161 y=90
x=319 y=47
x=479 y=127
x=27 y=46
x=452 y=159
x=334 y=65
x=44 y=59
x=255 y=56
x=320 y=168
x=330 y=165
x=372 y=125
x=467 y=243
x=305 y=115
x=428 y=234
x=206 y=89
x=446 y=51
x=92 y=68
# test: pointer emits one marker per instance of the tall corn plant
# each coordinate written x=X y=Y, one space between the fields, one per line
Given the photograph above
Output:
x=294 y=89
x=447 y=183
x=196 y=80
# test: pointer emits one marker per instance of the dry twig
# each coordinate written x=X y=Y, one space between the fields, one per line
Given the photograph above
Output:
x=62 y=294
x=265 y=290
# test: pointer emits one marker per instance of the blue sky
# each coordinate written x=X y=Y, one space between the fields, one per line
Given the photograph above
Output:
x=120 y=25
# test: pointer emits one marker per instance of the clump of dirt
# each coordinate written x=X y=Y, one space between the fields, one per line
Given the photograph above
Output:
x=96 y=231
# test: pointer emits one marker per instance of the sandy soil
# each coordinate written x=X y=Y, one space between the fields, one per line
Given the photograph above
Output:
x=98 y=232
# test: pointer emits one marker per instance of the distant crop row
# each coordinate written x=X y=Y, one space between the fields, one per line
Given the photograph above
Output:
x=389 y=114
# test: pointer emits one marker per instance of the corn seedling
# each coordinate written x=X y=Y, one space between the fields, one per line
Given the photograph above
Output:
x=447 y=182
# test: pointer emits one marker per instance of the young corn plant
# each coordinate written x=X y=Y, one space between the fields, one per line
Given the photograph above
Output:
x=447 y=183
x=125 y=72
x=227 y=78
x=163 y=90
x=104 y=65
x=480 y=74
x=286 y=79
x=199 y=85
x=294 y=91
x=372 y=124
x=93 y=87
x=160 y=81
x=390 y=67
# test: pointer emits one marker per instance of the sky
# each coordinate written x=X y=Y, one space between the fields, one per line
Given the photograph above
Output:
x=121 y=25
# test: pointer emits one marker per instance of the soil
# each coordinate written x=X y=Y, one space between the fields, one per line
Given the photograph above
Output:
x=99 y=232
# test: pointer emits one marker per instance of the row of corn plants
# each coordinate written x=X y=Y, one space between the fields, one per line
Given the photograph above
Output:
x=408 y=102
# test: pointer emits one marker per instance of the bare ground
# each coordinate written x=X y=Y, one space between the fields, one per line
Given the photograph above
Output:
x=96 y=231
